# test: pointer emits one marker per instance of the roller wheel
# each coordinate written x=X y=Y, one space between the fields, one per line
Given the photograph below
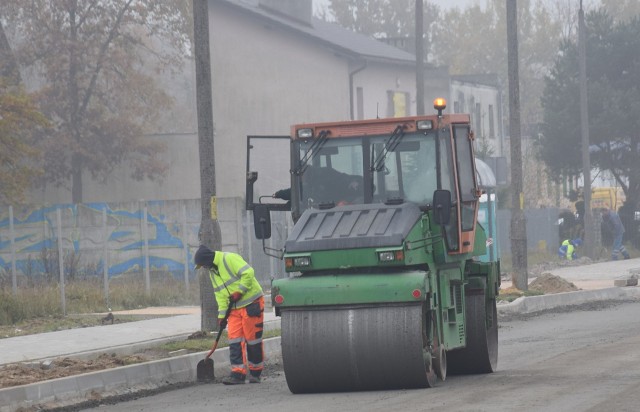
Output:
x=430 y=370
x=355 y=348
x=481 y=353
x=440 y=362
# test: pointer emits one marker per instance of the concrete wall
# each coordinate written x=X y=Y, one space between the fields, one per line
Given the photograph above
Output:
x=114 y=234
x=103 y=233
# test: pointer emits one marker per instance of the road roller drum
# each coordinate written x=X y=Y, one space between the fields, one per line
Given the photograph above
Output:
x=355 y=348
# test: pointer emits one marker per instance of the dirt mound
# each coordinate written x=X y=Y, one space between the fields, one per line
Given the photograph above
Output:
x=548 y=283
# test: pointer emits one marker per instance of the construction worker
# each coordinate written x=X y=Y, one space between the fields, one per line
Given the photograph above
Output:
x=234 y=283
x=567 y=249
x=614 y=225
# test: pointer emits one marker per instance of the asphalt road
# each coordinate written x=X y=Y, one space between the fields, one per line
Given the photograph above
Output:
x=583 y=360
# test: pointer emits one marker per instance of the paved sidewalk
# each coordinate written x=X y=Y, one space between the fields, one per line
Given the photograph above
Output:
x=599 y=275
x=595 y=276
x=122 y=338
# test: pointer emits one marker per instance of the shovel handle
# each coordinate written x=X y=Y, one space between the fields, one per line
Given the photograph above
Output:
x=215 y=345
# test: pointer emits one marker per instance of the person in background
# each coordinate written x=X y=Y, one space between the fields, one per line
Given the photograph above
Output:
x=567 y=249
x=613 y=224
x=234 y=283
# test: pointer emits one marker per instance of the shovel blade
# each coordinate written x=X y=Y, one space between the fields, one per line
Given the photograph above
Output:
x=204 y=370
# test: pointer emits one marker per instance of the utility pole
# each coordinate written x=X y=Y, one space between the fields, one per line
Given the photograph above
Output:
x=419 y=57
x=518 y=220
x=209 y=227
x=589 y=232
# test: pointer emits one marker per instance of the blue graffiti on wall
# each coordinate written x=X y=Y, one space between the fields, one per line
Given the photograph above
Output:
x=35 y=232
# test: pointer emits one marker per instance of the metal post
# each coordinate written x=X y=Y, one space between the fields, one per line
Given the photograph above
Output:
x=272 y=262
x=589 y=237
x=249 y=238
x=185 y=245
x=105 y=257
x=145 y=234
x=61 y=262
x=12 y=235
x=419 y=57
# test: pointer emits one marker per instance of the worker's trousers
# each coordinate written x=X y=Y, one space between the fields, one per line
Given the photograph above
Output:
x=245 y=339
x=618 y=248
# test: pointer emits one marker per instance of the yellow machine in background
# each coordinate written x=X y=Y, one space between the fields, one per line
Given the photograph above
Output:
x=609 y=197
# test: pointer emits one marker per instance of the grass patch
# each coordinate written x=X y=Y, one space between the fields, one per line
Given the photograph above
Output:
x=43 y=299
x=511 y=294
x=533 y=258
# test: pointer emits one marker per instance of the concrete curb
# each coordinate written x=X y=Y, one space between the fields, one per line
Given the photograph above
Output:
x=130 y=379
x=532 y=304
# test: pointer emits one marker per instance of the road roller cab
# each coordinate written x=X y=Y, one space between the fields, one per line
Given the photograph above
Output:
x=384 y=289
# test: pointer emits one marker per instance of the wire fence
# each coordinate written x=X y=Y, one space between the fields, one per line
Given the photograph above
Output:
x=155 y=240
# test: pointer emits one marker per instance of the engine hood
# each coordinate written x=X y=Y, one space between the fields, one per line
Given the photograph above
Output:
x=353 y=226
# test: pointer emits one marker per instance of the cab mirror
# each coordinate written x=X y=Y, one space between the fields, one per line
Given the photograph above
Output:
x=262 y=221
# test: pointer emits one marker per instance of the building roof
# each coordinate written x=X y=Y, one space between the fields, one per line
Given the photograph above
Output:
x=489 y=79
x=330 y=35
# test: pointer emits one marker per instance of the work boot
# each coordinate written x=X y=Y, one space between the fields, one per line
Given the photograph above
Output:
x=254 y=379
x=232 y=380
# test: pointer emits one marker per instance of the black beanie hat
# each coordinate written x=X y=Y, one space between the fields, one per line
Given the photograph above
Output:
x=204 y=257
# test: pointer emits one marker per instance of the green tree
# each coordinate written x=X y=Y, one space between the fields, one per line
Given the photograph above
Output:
x=623 y=10
x=19 y=120
x=613 y=77
x=91 y=62
x=19 y=157
x=470 y=40
x=474 y=40
x=384 y=19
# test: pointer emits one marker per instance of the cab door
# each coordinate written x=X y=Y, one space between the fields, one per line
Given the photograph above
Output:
x=268 y=171
x=467 y=186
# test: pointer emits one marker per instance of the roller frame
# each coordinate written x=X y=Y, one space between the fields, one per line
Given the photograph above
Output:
x=480 y=354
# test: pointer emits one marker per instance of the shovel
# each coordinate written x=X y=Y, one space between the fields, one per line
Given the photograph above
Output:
x=204 y=369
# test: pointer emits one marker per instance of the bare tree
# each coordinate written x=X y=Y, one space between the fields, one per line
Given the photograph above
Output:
x=91 y=59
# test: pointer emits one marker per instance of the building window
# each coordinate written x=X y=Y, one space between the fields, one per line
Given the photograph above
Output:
x=492 y=126
x=456 y=107
x=461 y=100
x=359 y=103
x=397 y=104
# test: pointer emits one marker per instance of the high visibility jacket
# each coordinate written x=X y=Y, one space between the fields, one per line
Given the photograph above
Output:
x=232 y=274
x=567 y=250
